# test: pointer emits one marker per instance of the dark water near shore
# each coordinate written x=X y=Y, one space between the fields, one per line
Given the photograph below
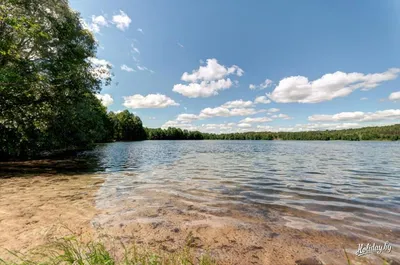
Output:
x=356 y=185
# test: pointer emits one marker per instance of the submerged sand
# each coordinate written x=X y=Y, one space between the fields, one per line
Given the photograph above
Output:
x=36 y=208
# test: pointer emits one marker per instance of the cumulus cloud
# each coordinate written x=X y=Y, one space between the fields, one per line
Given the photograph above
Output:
x=207 y=127
x=122 y=20
x=394 y=96
x=329 y=86
x=282 y=116
x=272 y=110
x=140 y=30
x=100 y=68
x=126 y=68
x=187 y=117
x=212 y=71
x=105 y=99
x=204 y=89
x=263 y=85
x=177 y=124
x=99 y=20
x=225 y=112
x=317 y=127
x=358 y=116
x=262 y=100
x=256 y=120
x=208 y=80
x=237 y=104
x=244 y=125
x=364 y=98
x=96 y=23
x=150 y=101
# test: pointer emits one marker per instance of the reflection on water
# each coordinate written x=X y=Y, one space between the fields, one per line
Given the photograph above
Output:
x=356 y=185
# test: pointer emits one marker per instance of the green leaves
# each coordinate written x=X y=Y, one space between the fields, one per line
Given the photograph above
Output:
x=46 y=82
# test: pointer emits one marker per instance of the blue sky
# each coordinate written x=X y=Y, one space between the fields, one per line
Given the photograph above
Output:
x=310 y=64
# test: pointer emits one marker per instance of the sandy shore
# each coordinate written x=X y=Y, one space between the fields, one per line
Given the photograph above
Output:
x=36 y=208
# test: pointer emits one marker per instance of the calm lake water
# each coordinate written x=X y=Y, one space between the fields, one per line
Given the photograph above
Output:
x=356 y=185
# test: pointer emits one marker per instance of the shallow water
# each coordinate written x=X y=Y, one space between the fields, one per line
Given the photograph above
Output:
x=354 y=184
x=250 y=202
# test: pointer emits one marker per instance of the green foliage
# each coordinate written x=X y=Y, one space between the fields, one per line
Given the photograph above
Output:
x=125 y=126
x=389 y=133
x=173 y=134
x=47 y=83
x=71 y=251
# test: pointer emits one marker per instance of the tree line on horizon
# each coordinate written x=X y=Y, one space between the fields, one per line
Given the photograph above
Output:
x=48 y=87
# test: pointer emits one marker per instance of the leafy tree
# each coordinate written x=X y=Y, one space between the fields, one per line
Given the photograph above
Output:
x=127 y=126
x=47 y=81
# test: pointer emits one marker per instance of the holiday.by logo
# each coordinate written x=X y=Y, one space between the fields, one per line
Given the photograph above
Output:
x=365 y=249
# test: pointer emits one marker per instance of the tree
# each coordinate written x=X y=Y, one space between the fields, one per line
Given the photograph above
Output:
x=47 y=80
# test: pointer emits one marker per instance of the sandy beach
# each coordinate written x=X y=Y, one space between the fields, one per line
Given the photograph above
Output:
x=36 y=209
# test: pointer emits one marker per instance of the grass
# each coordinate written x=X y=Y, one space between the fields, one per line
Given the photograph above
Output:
x=72 y=251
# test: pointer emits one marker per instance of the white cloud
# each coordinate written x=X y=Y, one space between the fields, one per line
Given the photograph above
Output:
x=208 y=127
x=126 y=68
x=282 y=116
x=364 y=98
x=212 y=71
x=317 y=127
x=272 y=110
x=244 y=125
x=187 y=117
x=144 y=68
x=176 y=124
x=135 y=49
x=150 y=101
x=203 y=89
x=358 y=116
x=105 y=99
x=256 y=120
x=122 y=20
x=263 y=127
x=262 y=100
x=180 y=45
x=225 y=112
x=97 y=61
x=208 y=80
x=140 y=30
x=237 y=104
x=329 y=86
x=96 y=23
x=100 y=68
x=394 y=96
x=99 y=20
x=263 y=85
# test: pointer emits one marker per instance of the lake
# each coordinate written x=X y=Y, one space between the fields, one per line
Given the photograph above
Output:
x=260 y=202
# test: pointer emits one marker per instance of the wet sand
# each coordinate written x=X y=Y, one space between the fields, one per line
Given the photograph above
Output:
x=34 y=209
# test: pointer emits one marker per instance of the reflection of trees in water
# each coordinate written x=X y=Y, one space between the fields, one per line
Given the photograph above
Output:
x=71 y=163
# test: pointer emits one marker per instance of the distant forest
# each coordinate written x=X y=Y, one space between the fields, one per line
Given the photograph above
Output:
x=387 y=133
x=48 y=87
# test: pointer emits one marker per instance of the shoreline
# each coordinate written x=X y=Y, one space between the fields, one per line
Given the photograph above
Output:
x=47 y=204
